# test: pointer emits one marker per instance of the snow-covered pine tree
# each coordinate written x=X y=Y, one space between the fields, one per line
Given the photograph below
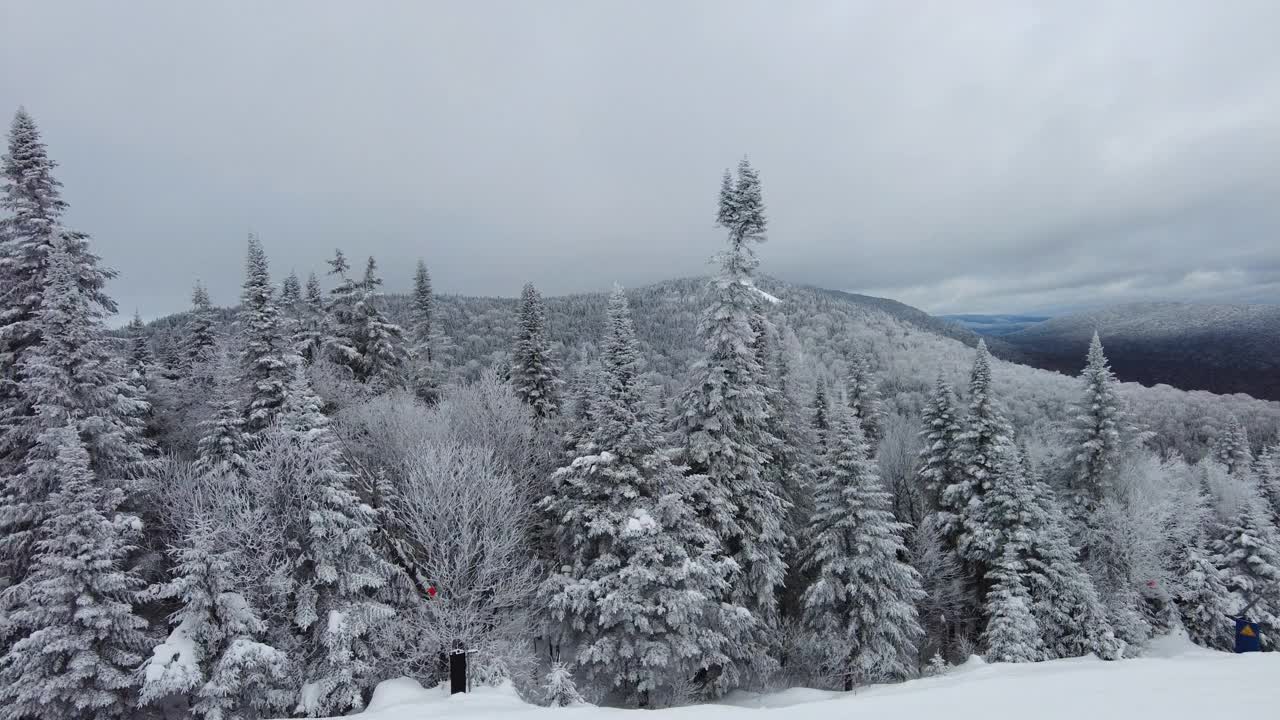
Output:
x=1232 y=447
x=214 y=658
x=140 y=356
x=1012 y=635
x=1098 y=425
x=821 y=422
x=533 y=374
x=335 y=571
x=425 y=380
x=30 y=231
x=863 y=397
x=1203 y=600
x=201 y=339
x=984 y=441
x=638 y=595
x=1267 y=474
x=1248 y=555
x=310 y=338
x=79 y=639
x=724 y=412
x=384 y=355
x=863 y=598
x=940 y=430
x=290 y=293
x=262 y=354
x=223 y=446
x=69 y=373
x=560 y=689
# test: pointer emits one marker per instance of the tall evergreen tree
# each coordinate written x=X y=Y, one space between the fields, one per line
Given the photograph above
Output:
x=863 y=599
x=223 y=446
x=362 y=339
x=68 y=374
x=215 y=654
x=724 y=412
x=533 y=374
x=940 y=431
x=1097 y=428
x=424 y=370
x=201 y=331
x=863 y=398
x=984 y=442
x=1203 y=600
x=821 y=416
x=642 y=576
x=1248 y=555
x=31 y=231
x=1012 y=634
x=1232 y=448
x=79 y=637
x=263 y=348
x=310 y=337
x=335 y=573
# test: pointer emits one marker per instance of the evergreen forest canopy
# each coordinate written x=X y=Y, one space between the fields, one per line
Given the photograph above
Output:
x=640 y=498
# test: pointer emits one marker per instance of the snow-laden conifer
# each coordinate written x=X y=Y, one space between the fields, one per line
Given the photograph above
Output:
x=201 y=339
x=1231 y=448
x=425 y=378
x=214 y=657
x=533 y=374
x=31 y=231
x=863 y=599
x=1248 y=555
x=223 y=446
x=79 y=638
x=334 y=571
x=560 y=690
x=262 y=355
x=641 y=577
x=1012 y=634
x=1098 y=426
x=939 y=431
x=863 y=398
x=984 y=442
x=723 y=416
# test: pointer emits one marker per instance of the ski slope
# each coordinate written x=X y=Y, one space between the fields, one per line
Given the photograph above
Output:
x=1175 y=681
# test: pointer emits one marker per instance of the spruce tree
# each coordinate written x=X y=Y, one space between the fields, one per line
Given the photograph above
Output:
x=1232 y=448
x=940 y=431
x=863 y=398
x=201 y=331
x=79 y=637
x=215 y=655
x=140 y=356
x=1097 y=428
x=533 y=375
x=984 y=442
x=310 y=337
x=638 y=593
x=223 y=445
x=724 y=413
x=31 y=231
x=69 y=373
x=335 y=573
x=1012 y=635
x=821 y=422
x=1248 y=555
x=425 y=381
x=1202 y=598
x=863 y=598
x=262 y=354
x=360 y=337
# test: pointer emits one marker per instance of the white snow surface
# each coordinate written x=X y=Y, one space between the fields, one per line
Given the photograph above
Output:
x=1174 y=681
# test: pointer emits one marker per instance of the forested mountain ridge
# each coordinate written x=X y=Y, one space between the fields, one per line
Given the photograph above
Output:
x=1219 y=348
x=908 y=347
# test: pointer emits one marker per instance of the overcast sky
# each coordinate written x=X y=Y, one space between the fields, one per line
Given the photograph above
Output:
x=958 y=156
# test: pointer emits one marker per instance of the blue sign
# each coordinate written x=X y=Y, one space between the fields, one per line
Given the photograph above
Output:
x=1248 y=638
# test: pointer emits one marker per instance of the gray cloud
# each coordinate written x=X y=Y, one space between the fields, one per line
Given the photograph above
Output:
x=983 y=156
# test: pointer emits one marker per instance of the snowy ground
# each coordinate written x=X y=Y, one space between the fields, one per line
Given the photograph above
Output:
x=1176 y=681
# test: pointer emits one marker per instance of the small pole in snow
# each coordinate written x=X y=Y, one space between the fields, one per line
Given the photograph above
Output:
x=458 y=670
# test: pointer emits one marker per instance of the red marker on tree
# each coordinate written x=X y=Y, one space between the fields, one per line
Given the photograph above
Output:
x=431 y=592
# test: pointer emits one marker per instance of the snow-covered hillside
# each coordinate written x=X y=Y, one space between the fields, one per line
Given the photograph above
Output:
x=1175 y=681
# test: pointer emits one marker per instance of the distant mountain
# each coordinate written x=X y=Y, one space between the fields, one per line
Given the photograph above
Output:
x=1219 y=348
x=995 y=325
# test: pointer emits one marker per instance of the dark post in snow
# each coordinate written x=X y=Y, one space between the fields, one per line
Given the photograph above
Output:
x=457 y=670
